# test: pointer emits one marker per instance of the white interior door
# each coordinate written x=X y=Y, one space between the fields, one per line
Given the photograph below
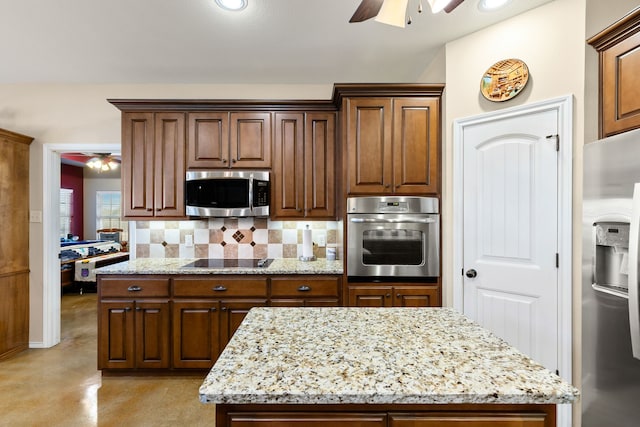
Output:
x=510 y=229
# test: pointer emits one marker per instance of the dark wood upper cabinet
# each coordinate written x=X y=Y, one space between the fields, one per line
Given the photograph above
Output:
x=304 y=165
x=619 y=89
x=218 y=139
x=393 y=145
x=153 y=171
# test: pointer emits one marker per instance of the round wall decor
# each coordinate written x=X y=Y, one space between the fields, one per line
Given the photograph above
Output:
x=504 y=80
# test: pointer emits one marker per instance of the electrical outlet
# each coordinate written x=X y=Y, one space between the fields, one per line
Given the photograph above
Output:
x=188 y=240
x=322 y=240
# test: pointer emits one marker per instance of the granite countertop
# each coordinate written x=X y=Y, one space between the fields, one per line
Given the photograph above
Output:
x=177 y=266
x=374 y=356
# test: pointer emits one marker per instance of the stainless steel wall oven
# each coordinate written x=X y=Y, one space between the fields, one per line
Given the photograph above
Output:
x=393 y=237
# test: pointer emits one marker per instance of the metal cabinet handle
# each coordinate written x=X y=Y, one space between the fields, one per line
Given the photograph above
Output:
x=304 y=288
x=224 y=160
x=387 y=186
x=219 y=288
x=399 y=295
x=138 y=309
x=233 y=160
x=471 y=273
x=127 y=309
x=224 y=308
x=388 y=295
x=134 y=288
x=213 y=309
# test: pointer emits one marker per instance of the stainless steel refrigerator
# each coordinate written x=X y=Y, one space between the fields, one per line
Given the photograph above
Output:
x=610 y=312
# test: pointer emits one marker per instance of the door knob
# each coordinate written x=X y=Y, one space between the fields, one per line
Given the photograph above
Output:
x=471 y=273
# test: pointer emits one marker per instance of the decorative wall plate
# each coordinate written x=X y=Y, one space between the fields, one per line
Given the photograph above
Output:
x=504 y=80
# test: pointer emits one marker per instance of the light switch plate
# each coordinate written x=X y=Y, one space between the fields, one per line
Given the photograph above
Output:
x=322 y=240
x=35 y=216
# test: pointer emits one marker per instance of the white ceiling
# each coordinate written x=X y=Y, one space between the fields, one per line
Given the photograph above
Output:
x=193 y=41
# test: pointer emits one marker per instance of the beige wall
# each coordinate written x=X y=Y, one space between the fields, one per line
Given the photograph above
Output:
x=80 y=114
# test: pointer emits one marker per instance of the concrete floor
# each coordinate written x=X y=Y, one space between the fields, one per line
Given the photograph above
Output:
x=61 y=386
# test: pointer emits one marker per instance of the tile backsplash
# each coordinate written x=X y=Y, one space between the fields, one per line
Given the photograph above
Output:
x=238 y=238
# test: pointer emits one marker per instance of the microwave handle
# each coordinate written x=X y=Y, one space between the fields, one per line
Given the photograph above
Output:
x=393 y=221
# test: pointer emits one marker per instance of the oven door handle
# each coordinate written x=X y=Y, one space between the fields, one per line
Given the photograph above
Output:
x=394 y=221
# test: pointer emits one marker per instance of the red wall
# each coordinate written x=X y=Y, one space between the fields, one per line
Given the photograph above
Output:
x=71 y=178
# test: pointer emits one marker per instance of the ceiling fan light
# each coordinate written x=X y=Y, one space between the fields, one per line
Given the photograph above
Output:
x=438 y=5
x=234 y=5
x=490 y=5
x=113 y=165
x=393 y=12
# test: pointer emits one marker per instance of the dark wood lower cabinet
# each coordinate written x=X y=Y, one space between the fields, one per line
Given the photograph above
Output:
x=182 y=322
x=393 y=295
x=455 y=415
x=133 y=335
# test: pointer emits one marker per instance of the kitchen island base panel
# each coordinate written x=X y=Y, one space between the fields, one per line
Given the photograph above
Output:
x=451 y=415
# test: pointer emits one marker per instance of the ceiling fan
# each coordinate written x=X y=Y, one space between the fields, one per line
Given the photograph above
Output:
x=393 y=12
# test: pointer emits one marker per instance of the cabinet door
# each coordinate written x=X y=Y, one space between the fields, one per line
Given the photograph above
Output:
x=169 y=165
x=370 y=296
x=620 y=87
x=288 y=166
x=116 y=348
x=250 y=140
x=208 y=140
x=196 y=334
x=319 y=167
x=416 y=296
x=152 y=334
x=232 y=312
x=416 y=145
x=137 y=164
x=369 y=142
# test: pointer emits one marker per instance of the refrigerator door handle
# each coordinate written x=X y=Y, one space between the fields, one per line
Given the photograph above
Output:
x=634 y=260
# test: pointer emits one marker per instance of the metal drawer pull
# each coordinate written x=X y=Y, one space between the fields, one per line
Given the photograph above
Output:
x=134 y=288
x=220 y=288
x=304 y=288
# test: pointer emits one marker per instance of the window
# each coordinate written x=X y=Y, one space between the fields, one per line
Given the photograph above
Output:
x=66 y=212
x=108 y=212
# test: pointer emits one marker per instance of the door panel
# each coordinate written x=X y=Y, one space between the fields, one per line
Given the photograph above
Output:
x=250 y=140
x=137 y=164
x=208 y=140
x=152 y=334
x=195 y=334
x=169 y=164
x=288 y=165
x=510 y=231
x=319 y=169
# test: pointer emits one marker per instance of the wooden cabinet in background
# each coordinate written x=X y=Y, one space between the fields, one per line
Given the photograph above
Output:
x=312 y=291
x=14 y=245
x=219 y=139
x=393 y=145
x=393 y=295
x=153 y=165
x=206 y=312
x=304 y=165
x=133 y=323
x=619 y=90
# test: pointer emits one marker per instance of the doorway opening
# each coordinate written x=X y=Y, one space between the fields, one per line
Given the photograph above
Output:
x=51 y=291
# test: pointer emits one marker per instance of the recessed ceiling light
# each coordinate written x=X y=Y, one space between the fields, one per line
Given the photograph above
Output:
x=490 y=5
x=232 y=4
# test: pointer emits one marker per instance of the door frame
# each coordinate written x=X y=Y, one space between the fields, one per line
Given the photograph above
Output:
x=564 y=107
x=50 y=240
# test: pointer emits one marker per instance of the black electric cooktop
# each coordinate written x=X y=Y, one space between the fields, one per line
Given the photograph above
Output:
x=230 y=263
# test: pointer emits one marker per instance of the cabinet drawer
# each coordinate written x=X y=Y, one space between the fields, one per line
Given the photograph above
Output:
x=305 y=287
x=219 y=287
x=133 y=287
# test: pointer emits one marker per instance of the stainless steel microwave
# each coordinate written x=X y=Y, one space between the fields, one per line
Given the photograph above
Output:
x=227 y=193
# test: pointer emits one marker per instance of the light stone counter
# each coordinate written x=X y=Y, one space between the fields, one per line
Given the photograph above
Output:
x=177 y=266
x=374 y=356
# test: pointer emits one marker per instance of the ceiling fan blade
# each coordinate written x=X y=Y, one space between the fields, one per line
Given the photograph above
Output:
x=455 y=3
x=367 y=10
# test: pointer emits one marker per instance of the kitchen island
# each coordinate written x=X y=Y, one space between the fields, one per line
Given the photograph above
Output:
x=376 y=367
